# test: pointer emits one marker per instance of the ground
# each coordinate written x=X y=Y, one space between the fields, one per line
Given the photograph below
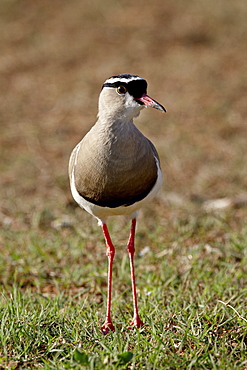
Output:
x=55 y=55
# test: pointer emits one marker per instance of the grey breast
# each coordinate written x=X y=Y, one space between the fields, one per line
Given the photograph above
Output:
x=115 y=168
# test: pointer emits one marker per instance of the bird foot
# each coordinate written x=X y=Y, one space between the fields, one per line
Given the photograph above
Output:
x=108 y=326
x=136 y=322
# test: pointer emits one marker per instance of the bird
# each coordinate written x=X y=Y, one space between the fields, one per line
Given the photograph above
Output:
x=115 y=170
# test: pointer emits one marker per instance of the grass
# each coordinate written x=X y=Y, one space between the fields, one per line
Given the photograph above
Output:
x=191 y=252
x=192 y=299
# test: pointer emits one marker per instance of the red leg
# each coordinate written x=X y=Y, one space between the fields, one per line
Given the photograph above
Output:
x=110 y=252
x=137 y=322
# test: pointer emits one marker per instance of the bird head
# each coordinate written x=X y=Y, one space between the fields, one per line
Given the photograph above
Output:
x=125 y=95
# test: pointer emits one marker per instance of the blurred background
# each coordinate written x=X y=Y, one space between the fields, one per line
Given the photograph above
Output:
x=55 y=56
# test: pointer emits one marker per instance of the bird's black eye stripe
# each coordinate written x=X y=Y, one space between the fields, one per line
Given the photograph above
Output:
x=115 y=84
x=136 y=88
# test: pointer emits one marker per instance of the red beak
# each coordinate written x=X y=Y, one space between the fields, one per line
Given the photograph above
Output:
x=149 y=102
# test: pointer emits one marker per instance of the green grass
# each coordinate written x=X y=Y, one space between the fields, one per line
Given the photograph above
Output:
x=192 y=297
x=192 y=281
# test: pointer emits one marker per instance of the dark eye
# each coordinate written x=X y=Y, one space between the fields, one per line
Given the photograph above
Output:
x=121 y=89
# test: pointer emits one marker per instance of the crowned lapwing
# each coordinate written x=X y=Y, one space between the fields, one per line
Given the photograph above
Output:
x=115 y=169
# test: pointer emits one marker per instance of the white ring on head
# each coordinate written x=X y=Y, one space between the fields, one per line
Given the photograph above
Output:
x=112 y=80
